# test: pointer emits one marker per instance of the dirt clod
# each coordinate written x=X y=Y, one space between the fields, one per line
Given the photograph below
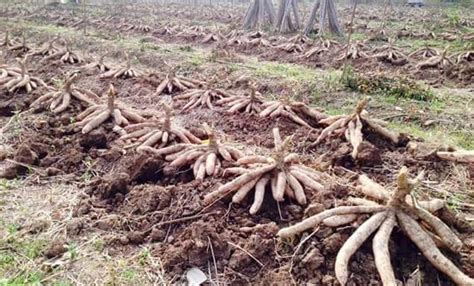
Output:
x=94 y=139
x=55 y=249
x=369 y=155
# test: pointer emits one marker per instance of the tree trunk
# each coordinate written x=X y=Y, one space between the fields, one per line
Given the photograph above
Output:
x=260 y=13
x=288 y=19
x=328 y=10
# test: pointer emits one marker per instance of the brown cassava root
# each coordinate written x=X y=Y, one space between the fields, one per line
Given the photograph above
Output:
x=97 y=65
x=202 y=97
x=125 y=71
x=21 y=47
x=394 y=208
x=65 y=55
x=173 y=83
x=250 y=103
x=12 y=80
x=461 y=156
x=293 y=110
x=282 y=171
x=48 y=49
x=439 y=61
x=205 y=159
x=157 y=134
x=7 y=72
x=97 y=114
x=59 y=100
x=351 y=126
x=391 y=54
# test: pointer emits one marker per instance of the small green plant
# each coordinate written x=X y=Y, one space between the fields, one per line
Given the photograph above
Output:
x=454 y=19
x=72 y=251
x=144 y=256
x=26 y=278
x=454 y=202
x=33 y=249
x=89 y=172
x=12 y=228
x=99 y=244
x=129 y=274
x=9 y=184
x=6 y=259
x=187 y=49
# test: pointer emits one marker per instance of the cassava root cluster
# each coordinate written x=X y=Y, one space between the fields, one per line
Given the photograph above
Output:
x=13 y=79
x=293 y=110
x=415 y=219
x=205 y=159
x=59 y=100
x=250 y=103
x=157 y=133
x=282 y=171
x=351 y=127
x=97 y=114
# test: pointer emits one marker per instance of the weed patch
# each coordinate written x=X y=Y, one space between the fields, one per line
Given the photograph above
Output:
x=401 y=88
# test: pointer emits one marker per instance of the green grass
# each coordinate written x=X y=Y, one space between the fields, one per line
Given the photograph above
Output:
x=358 y=36
x=9 y=184
x=453 y=46
x=15 y=254
x=436 y=134
x=282 y=70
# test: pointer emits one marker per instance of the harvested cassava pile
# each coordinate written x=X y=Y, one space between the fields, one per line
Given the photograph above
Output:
x=293 y=110
x=65 y=55
x=205 y=159
x=282 y=171
x=125 y=71
x=440 y=61
x=97 y=65
x=97 y=114
x=250 y=103
x=424 y=52
x=173 y=83
x=351 y=127
x=21 y=47
x=157 y=133
x=59 y=100
x=13 y=81
x=391 y=54
x=202 y=97
x=415 y=219
x=48 y=49
x=353 y=51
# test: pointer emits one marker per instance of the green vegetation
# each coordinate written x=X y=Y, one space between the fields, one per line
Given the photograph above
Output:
x=440 y=135
x=9 y=184
x=389 y=87
x=15 y=252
